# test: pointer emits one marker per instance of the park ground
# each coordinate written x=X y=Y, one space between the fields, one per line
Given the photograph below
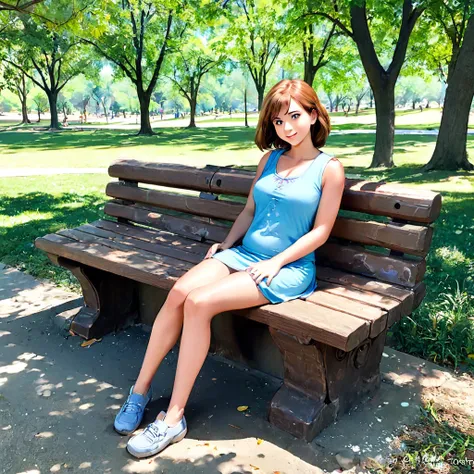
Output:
x=441 y=330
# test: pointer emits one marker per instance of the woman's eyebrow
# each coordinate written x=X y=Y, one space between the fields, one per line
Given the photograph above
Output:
x=289 y=113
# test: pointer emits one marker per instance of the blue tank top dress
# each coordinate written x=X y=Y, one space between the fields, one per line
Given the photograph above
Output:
x=285 y=210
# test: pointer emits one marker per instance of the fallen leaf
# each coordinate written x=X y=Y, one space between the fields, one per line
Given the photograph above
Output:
x=234 y=426
x=254 y=467
x=259 y=441
x=242 y=408
x=90 y=342
x=215 y=448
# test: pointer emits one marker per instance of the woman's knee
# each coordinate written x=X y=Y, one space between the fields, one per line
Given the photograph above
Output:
x=197 y=304
x=178 y=293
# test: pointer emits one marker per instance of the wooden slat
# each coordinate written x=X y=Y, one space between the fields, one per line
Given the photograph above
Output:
x=362 y=196
x=359 y=260
x=389 y=306
x=123 y=263
x=376 y=317
x=178 y=202
x=162 y=174
x=328 y=326
x=195 y=230
x=403 y=295
x=407 y=238
x=152 y=235
x=171 y=255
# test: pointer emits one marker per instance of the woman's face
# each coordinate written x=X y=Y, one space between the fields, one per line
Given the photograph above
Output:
x=293 y=127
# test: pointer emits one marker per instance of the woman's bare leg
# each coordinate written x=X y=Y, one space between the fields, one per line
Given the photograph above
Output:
x=235 y=291
x=169 y=321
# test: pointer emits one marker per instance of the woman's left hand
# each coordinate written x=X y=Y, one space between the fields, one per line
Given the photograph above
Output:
x=266 y=268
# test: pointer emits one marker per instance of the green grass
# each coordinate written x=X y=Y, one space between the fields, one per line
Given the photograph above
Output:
x=442 y=441
x=25 y=149
x=439 y=330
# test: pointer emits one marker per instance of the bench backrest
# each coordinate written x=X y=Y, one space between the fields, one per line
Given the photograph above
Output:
x=382 y=231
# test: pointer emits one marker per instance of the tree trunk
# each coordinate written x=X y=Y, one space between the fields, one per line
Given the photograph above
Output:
x=450 y=152
x=192 y=106
x=24 y=112
x=385 y=128
x=23 y=95
x=245 y=107
x=145 y=125
x=53 y=108
x=308 y=59
x=260 y=91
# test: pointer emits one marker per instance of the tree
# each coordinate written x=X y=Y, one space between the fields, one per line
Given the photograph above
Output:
x=193 y=61
x=255 y=33
x=17 y=82
x=53 y=54
x=135 y=35
x=19 y=6
x=450 y=152
x=352 y=18
x=41 y=104
x=102 y=94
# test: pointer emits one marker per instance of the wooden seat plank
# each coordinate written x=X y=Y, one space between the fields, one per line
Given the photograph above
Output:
x=326 y=325
x=130 y=243
x=123 y=263
x=376 y=317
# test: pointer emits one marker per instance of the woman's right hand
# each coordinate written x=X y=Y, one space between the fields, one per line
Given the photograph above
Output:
x=214 y=248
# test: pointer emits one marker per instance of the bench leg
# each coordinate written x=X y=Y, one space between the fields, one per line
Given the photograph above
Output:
x=299 y=407
x=355 y=375
x=110 y=301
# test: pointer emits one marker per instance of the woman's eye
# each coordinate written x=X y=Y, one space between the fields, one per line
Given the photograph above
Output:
x=277 y=122
x=295 y=115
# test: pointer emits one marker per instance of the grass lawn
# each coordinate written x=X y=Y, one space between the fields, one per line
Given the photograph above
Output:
x=235 y=145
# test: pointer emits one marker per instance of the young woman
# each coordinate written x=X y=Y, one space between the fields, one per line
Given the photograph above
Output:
x=290 y=211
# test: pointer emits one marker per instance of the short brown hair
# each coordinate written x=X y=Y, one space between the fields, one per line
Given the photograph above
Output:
x=279 y=95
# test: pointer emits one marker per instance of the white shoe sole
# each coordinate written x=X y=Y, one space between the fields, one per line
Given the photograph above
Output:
x=138 y=454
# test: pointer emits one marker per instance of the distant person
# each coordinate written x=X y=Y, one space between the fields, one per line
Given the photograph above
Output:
x=65 y=122
x=297 y=190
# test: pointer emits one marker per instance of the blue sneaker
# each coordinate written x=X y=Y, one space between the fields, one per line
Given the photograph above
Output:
x=131 y=414
x=156 y=437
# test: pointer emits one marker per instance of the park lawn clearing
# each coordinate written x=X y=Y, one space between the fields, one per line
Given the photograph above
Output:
x=223 y=146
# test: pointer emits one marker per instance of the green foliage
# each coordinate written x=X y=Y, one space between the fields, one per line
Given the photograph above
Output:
x=434 y=444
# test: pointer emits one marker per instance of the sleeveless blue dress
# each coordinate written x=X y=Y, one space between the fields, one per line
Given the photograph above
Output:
x=285 y=210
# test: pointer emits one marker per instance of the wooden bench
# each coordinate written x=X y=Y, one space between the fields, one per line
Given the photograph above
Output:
x=369 y=274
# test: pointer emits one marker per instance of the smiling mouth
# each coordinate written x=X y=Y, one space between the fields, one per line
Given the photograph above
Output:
x=291 y=136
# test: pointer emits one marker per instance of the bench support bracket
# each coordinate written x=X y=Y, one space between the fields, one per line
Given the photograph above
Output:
x=299 y=406
x=321 y=382
x=110 y=301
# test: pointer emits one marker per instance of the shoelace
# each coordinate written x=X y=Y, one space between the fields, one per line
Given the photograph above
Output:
x=131 y=407
x=152 y=431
